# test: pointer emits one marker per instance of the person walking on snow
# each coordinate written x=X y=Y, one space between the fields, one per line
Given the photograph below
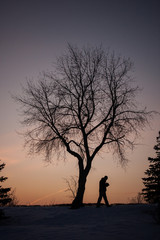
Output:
x=102 y=191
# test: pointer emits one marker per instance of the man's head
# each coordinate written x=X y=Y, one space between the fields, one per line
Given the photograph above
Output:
x=106 y=177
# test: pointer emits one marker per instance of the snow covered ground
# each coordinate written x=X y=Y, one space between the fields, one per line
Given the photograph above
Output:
x=119 y=222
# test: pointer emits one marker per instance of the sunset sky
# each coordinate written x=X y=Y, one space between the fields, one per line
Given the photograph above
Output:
x=32 y=35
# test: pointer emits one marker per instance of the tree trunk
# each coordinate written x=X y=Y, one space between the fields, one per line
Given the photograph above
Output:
x=78 y=201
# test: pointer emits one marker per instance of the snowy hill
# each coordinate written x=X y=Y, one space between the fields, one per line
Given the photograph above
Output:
x=119 y=222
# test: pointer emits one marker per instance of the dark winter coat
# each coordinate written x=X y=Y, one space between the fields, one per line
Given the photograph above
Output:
x=103 y=185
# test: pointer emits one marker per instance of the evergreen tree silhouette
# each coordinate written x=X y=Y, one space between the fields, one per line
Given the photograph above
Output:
x=4 y=192
x=151 y=191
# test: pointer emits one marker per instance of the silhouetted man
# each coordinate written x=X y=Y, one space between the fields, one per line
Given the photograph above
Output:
x=102 y=191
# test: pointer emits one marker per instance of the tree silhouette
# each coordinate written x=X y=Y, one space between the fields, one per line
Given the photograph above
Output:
x=4 y=192
x=151 y=182
x=86 y=103
x=72 y=186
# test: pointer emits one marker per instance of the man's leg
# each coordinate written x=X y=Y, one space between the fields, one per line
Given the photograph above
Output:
x=99 y=200
x=105 y=199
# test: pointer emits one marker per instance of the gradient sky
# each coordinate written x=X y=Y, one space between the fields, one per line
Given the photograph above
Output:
x=32 y=34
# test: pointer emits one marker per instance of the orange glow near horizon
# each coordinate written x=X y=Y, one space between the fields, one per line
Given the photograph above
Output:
x=47 y=196
x=39 y=183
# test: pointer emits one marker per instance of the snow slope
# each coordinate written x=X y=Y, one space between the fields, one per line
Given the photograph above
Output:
x=119 y=222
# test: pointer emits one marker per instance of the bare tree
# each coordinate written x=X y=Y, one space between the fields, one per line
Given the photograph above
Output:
x=87 y=103
x=14 y=201
x=72 y=186
x=138 y=199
